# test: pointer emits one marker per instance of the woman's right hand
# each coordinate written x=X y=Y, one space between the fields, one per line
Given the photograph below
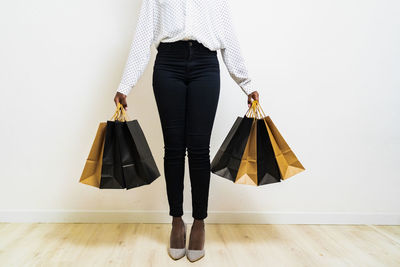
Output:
x=121 y=98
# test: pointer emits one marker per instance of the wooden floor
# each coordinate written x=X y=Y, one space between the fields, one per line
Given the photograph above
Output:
x=230 y=245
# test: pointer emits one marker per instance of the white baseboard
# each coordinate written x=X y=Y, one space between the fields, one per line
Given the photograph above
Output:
x=128 y=216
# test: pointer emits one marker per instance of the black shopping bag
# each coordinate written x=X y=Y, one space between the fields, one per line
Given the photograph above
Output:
x=267 y=166
x=146 y=167
x=138 y=165
x=111 y=170
x=226 y=161
x=136 y=160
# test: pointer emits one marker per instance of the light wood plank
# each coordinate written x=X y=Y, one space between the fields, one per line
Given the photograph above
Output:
x=64 y=244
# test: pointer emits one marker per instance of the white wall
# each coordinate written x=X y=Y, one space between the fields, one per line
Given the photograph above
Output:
x=327 y=73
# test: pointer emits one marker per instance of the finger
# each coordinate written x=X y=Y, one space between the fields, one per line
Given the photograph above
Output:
x=125 y=105
x=255 y=97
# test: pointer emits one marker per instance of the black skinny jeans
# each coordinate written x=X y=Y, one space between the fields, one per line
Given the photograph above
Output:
x=186 y=86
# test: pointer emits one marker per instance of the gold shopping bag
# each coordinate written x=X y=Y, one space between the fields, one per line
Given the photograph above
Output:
x=247 y=173
x=91 y=174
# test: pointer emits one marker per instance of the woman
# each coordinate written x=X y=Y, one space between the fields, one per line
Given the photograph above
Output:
x=186 y=86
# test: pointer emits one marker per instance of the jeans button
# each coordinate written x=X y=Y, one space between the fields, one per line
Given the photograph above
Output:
x=190 y=43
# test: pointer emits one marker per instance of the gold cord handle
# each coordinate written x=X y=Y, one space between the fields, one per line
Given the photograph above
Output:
x=253 y=111
x=120 y=113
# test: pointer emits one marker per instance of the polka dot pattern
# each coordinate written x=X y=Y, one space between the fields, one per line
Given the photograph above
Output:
x=207 y=21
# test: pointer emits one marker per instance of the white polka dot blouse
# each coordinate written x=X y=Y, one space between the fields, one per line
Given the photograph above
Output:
x=207 y=21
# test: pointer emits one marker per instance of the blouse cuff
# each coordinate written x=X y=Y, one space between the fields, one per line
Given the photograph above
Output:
x=247 y=87
x=124 y=88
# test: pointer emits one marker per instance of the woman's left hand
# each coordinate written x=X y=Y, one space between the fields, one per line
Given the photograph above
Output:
x=253 y=95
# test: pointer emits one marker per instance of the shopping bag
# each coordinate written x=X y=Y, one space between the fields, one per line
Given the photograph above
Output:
x=138 y=165
x=227 y=159
x=146 y=167
x=267 y=166
x=289 y=164
x=247 y=171
x=91 y=173
x=111 y=172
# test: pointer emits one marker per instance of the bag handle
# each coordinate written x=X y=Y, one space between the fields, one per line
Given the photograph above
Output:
x=261 y=111
x=253 y=111
x=120 y=113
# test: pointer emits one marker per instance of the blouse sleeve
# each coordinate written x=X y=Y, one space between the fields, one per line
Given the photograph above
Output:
x=231 y=52
x=139 y=54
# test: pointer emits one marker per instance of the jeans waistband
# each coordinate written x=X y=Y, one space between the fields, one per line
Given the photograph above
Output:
x=183 y=44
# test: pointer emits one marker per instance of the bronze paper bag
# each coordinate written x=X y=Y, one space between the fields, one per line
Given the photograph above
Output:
x=92 y=171
x=247 y=173
x=288 y=163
